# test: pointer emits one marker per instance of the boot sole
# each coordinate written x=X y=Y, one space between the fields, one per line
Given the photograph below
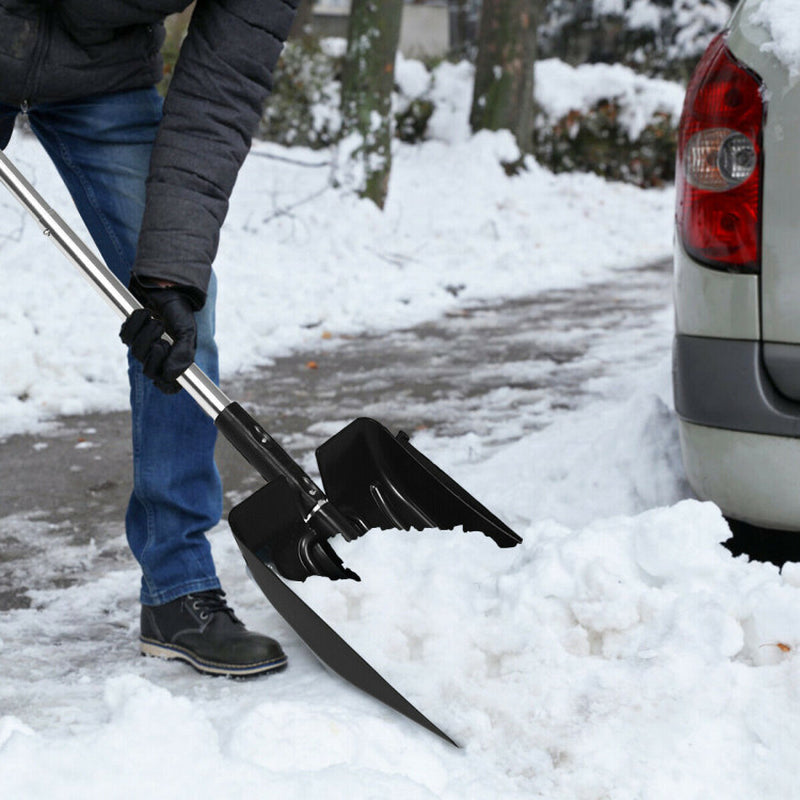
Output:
x=149 y=647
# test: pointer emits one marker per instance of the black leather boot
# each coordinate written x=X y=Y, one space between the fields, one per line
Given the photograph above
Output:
x=203 y=631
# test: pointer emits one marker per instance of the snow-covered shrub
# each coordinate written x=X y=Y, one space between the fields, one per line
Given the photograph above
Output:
x=412 y=121
x=603 y=118
x=304 y=106
x=595 y=141
x=413 y=103
x=607 y=119
x=660 y=37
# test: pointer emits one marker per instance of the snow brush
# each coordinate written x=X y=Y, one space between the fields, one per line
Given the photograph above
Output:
x=371 y=478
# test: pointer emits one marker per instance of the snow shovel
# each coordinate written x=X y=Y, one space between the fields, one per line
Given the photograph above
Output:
x=372 y=480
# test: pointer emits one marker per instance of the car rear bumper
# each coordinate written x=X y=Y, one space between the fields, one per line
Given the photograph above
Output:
x=723 y=383
x=750 y=476
x=740 y=437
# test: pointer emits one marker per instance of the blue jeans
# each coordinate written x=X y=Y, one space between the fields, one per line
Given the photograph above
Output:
x=101 y=147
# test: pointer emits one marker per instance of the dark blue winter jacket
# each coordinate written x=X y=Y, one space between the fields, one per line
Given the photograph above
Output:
x=53 y=50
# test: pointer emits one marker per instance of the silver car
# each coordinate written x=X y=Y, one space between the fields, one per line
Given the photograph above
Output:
x=737 y=277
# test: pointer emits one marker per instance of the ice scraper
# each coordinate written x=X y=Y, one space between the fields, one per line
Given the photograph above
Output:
x=372 y=479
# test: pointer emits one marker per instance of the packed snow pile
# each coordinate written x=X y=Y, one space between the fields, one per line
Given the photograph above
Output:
x=627 y=657
x=779 y=18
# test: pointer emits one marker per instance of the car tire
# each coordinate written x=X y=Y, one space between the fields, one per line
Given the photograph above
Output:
x=769 y=545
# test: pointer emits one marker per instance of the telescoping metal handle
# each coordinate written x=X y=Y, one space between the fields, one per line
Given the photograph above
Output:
x=204 y=391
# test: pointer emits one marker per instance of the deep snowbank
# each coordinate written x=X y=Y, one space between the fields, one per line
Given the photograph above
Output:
x=630 y=657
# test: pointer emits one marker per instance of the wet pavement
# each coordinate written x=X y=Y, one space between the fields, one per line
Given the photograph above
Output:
x=497 y=370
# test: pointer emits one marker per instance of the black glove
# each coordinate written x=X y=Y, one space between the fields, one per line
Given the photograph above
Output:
x=6 y=129
x=167 y=309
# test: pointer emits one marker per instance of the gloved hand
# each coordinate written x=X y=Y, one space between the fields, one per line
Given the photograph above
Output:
x=166 y=308
x=6 y=129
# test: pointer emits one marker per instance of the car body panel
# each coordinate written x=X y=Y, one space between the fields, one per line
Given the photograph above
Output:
x=723 y=383
x=780 y=269
x=713 y=303
x=751 y=477
x=737 y=348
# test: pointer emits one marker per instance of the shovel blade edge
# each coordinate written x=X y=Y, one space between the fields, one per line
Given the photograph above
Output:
x=330 y=648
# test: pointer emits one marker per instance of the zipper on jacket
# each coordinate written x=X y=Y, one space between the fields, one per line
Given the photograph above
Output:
x=37 y=59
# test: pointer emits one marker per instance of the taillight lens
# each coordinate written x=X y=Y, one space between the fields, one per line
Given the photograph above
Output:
x=719 y=170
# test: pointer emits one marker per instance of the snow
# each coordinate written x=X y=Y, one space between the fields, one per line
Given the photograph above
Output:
x=411 y=76
x=297 y=254
x=779 y=18
x=620 y=651
x=609 y=7
x=561 y=88
x=642 y=14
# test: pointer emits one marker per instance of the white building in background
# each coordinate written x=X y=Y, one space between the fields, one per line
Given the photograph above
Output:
x=425 y=30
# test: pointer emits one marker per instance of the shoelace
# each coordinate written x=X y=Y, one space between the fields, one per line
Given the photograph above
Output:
x=211 y=602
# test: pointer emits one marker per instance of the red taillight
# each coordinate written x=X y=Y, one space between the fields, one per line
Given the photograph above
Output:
x=719 y=170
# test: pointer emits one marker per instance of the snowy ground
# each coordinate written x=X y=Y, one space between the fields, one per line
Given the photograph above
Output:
x=619 y=652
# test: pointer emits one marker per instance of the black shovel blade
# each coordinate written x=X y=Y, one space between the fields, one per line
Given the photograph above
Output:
x=270 y=523
x=383 y=481
x=328 y=646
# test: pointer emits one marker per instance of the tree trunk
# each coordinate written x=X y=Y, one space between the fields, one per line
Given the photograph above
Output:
x=367 y=83
x=503 y=94
x=303 y=21
x=460 y=34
